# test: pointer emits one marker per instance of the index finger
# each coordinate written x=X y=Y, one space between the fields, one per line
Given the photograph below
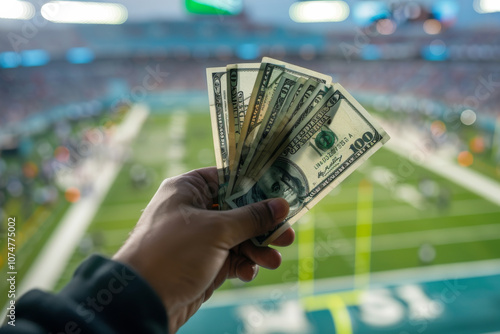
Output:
x=209 y=174
x=285 y=239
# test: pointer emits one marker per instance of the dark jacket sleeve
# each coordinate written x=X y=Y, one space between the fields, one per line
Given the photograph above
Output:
x=104 y=296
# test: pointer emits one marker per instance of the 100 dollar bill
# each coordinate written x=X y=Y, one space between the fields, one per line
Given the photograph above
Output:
x=277 y=144
x=279 y=104
x=334 y=140
x=217 y=98
x=265 y=86
x=240 y=82
x=298 y=94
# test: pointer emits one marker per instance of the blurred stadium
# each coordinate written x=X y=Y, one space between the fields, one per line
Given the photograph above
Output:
x=94 y=116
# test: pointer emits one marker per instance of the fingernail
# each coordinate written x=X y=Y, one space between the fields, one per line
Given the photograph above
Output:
x=279 y=208
x=255 y=271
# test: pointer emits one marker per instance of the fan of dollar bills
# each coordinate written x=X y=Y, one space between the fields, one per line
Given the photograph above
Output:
x=281 y=130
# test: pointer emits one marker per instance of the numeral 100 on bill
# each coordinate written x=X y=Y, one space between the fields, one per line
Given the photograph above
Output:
x=361 y=142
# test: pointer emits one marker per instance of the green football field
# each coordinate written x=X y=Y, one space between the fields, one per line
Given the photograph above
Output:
x=379 y=208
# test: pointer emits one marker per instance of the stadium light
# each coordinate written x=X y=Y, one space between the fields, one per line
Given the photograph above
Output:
x=16 y=10
x=486 y=6
x=84 y=12
x=214 y=7
x=319 y=11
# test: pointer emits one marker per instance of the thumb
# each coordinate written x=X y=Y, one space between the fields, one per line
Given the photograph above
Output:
x=255 y=219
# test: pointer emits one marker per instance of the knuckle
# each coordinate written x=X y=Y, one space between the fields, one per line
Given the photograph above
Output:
x=166 y=183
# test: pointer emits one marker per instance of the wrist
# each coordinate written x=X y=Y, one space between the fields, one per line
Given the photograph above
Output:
x=141 y=267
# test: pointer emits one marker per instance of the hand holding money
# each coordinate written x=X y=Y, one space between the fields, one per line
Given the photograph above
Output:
x=295 y=135
x=191 y=249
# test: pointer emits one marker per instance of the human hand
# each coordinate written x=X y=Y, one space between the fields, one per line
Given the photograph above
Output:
x=186 y=250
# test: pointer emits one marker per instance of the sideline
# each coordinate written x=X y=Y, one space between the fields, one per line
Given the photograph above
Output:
x=54 y=256
x=410 y=145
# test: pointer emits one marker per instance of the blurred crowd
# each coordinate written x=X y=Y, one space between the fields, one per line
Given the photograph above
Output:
x=42 y=168
x=456 y=84
x=23 y=91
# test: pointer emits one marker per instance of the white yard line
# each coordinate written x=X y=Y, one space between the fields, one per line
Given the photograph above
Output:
x=377 y=279
x=396 y=241
x=411 y=146
x=391 y=214
x=54 y=256
x=176 y=148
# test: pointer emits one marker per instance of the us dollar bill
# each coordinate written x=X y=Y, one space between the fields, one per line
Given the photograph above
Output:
x=302 y=95
x=278 y=124
x=267 y=80
x=218 y=104
x=278 y=105
x=282 y=139
x=240 y=81
x=329 y=144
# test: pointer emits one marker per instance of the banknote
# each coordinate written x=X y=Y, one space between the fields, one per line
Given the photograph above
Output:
x=266 y=82
x=328 y=145
x=218 y=104
x=287 y=86
x=302 y=96
x=293 y=99
x=270 y=146
x=240 y=81
x=280 y=141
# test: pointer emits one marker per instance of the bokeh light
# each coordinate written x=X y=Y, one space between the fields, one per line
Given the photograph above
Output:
x=446 y=11
x=10 y=59
x=15 y=187
x=386 y=27
x=426 y=253
x=366 y=12
x=80 y=55
x=468 y=117
x=61 y=154
x=37 y=57
x=477 y=144
x=432 y=26
x=319 y=11
x=30 y=169
x=16 y=10
x=486 y=6
x=412 y=10
x=438 y=128
x=248 y=51
x=72 y=194
x=437 y=47
x=465 y=158
x=84 y=12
